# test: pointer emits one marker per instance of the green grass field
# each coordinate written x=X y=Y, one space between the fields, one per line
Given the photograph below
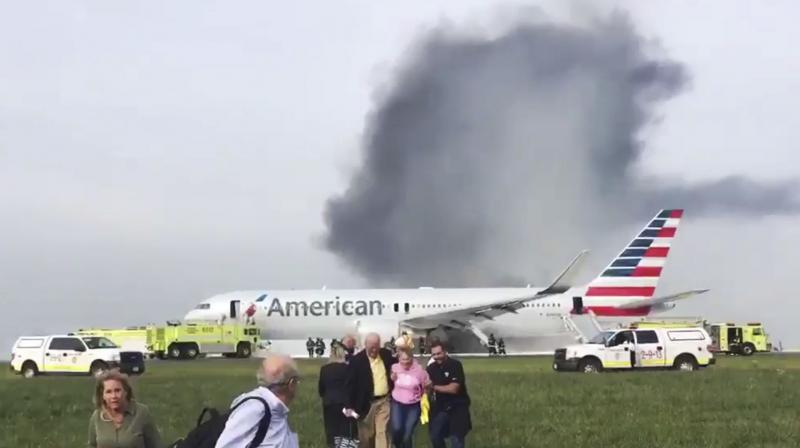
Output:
x=517 y=402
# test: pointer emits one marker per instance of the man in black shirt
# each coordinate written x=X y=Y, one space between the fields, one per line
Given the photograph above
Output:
x=449 y=416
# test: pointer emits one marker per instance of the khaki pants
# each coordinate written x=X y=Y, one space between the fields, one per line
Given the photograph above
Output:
x=373 y=431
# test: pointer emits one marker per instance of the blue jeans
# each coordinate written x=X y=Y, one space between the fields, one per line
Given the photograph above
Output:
x=404 y=420
x=440 y=428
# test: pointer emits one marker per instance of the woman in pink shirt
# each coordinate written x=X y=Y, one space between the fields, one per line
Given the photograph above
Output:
x=410 y=381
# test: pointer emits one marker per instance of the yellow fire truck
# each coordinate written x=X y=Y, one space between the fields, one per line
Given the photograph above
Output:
x=177 y=340
x=726 y=337
x=189 y=340
x=739 y=339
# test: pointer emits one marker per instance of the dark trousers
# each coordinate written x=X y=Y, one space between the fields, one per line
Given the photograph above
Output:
x=336 y=424
x=440 y=430
x=404 y=420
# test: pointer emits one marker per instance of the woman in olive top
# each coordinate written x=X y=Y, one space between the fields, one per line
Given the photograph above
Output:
x=118 y=420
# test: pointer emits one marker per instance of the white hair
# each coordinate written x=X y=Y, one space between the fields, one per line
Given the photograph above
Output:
x=372 y=335
x=276 y=370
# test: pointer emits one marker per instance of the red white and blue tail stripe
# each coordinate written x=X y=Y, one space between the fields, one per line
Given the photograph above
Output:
x=634 y=273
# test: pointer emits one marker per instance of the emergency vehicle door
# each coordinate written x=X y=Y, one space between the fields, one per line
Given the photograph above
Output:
x=649 y=350
x=66 y=355
x=619 y=351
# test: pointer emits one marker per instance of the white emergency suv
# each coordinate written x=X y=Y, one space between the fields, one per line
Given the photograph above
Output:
x=678 y=348
x=34 y=355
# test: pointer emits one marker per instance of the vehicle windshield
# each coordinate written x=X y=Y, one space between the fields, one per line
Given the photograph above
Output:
x=94 y=343
x=601 y=338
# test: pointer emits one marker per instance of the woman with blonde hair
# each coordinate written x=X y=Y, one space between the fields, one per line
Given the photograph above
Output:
x=340 y=430
x=410 y=383
x=118 y=420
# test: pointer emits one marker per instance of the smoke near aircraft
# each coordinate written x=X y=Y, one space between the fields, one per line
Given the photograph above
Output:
x=492 y=154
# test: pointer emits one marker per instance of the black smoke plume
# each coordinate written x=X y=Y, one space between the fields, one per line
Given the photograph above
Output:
x=495 y=158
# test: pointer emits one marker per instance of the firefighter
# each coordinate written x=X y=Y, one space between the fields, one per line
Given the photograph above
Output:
x=320 y=346
x=492 y=345
x=310 y=347
x=501 y=347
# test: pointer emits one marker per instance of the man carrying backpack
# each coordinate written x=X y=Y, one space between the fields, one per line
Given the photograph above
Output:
x=278 y=378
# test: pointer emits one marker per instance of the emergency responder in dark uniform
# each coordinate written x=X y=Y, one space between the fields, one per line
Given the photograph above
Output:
x=310 y=347
x=501 y=347
x=449 y=413
x=320 y=346
x=421 y=345
x=492 y=344
x=334 y=341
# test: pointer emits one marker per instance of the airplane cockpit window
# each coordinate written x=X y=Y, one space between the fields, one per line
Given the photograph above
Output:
x=203 y=306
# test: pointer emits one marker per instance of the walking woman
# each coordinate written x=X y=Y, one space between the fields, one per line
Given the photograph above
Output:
x=410 y=382
x=340 y=431
x=118 y=420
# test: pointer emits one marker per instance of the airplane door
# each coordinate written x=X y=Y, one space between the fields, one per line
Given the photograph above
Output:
x=649 y=350
x=235 y=309
x=619 y=351
x=577 y=305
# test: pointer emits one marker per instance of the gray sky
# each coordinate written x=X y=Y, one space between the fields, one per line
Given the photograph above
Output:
x=151 y=156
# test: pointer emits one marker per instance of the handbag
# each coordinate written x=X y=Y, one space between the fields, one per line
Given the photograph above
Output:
x=350 y=441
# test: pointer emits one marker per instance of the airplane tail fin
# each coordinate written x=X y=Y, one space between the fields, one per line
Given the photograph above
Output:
x=634 y=274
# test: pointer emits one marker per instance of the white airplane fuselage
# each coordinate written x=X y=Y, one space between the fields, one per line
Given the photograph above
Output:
x=298 y=314
x=624 y=289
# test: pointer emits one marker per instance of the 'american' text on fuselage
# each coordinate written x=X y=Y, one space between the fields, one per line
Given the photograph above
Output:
x=325 y=308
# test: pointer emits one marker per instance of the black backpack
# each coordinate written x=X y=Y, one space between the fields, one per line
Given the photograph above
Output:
x=206 y=433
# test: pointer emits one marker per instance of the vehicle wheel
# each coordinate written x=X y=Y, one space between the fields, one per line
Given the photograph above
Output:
x=589 y=366
x=748 y=349
x=192 y=351
x=685 y=363
x=243 y=350
x=175 y=351
x=29 y=369
x=98 y=368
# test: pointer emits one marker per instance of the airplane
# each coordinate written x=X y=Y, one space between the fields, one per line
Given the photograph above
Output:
x=624 y=289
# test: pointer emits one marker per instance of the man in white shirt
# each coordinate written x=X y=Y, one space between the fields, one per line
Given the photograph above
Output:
x=278 y=377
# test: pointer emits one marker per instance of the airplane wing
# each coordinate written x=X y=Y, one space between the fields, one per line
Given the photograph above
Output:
x=491 y=309
x=662 y=299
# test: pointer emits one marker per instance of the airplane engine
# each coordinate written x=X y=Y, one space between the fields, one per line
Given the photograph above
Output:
x=385 y=328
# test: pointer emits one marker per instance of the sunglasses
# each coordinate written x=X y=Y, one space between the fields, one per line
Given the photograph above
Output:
x=294 y=379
